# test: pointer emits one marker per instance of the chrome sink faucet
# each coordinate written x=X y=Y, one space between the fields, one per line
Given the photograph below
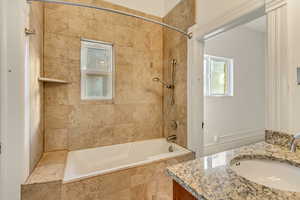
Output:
x=294 y=142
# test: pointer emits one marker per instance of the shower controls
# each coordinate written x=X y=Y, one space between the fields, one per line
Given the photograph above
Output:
x=174 y=124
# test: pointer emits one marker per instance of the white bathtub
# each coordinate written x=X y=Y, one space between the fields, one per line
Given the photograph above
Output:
x=97 y=161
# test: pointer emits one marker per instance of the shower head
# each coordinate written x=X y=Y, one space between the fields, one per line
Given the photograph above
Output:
x=156 y=79
x=169 y=86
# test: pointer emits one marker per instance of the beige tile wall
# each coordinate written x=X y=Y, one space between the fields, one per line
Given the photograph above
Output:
x=136 y=111
x=42 y=191
x=175 y=47
x=36 y=88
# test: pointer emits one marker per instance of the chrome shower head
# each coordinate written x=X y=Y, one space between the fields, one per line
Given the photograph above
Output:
x=156 y=79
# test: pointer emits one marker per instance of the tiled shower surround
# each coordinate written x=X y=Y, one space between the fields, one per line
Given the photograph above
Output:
x=142 y=51
x=136 y=112
x=175 y=47
x=139 y=111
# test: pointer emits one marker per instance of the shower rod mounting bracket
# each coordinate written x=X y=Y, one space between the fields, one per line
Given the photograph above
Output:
x=29 y=31
x=188 y=35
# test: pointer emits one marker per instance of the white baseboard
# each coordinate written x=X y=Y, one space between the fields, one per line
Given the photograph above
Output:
x=232 y=141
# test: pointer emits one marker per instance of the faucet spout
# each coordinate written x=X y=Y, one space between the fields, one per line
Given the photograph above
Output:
x=171 y=138
x=294 y=142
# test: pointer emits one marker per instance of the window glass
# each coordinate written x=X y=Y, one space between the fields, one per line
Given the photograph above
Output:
x=218 y=74
x=218 y=77
x=96 y=70
x=98 y=59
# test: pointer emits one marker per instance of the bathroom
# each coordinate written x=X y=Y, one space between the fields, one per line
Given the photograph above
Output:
x=103 y=99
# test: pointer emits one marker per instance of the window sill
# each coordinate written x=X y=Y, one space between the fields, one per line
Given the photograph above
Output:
x=96 y=101
x=217 y=98
x=214 y=97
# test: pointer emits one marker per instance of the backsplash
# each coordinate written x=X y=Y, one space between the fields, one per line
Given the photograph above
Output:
x=278 y=138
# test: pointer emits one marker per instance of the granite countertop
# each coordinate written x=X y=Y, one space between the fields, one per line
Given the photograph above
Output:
x=210 y=178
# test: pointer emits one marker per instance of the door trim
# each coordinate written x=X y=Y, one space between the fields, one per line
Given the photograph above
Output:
x=195 y=105
x=240 y=15
x=14 y=96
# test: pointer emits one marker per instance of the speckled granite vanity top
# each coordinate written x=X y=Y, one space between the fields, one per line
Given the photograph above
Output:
x=210 y=178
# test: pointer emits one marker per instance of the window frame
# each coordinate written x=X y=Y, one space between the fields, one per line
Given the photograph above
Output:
x=207 y=75
x=85 y=72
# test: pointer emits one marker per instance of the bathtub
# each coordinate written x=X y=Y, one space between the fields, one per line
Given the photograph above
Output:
x=88 y=163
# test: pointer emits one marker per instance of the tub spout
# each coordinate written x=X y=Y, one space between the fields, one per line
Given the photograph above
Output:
x=172 y=138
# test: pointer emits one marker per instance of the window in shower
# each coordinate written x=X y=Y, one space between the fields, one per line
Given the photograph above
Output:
x=218 y=72
x=97 y=69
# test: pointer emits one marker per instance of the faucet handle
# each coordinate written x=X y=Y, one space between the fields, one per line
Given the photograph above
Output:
x=293 y=143
x=174 y=124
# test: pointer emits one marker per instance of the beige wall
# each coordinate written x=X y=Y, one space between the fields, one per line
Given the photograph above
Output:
x=36 y=88
x=175 y=47
x=136 y=111
x=293 y=49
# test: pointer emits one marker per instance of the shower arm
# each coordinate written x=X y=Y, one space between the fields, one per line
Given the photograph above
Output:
x=168 y=86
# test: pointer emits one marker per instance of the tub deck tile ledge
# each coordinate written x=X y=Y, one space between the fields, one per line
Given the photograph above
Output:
x=49 y=169
x=45 y=182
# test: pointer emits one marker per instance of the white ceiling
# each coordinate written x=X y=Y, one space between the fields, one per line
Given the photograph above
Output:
x=259 y=25
x=154 y=7
x=169 y=5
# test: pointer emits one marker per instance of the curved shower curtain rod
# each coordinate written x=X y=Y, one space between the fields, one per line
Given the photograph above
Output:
x=188 y=35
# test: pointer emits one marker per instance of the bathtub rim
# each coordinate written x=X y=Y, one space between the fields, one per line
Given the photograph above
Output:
x=183 y=151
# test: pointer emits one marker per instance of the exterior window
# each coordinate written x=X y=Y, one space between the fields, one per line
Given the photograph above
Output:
x=96 y=70
x=218 y=74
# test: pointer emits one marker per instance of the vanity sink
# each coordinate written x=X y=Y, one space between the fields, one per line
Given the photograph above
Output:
x=273 y=174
